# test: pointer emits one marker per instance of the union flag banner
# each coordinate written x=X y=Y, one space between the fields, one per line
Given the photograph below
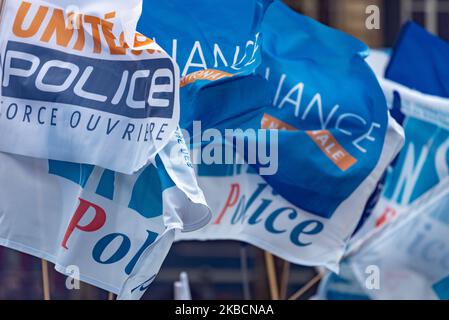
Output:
x=116 y=229
x=79 y=84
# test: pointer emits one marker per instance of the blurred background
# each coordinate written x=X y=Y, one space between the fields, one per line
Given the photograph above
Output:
x=350 y=16
x=225 y=269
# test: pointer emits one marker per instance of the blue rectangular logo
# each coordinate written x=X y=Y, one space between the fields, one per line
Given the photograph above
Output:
x=135 y=89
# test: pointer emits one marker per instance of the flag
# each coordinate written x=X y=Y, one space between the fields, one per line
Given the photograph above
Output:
x=113 y=229
x=216 y=43
x=342 y=126
x=378 y=60
x=325 y=116
x=418 y=52
x=410 y=254
x=415 y=79
x=79 y=85
x=413 y=85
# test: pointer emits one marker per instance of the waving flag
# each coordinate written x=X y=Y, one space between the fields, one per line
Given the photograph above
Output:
x=416 y=77
x=116 y=229
x=421 y=165
x=411 y=253
x=342 y=126
x=334 y=148
x=73 y=88
x=215 y=43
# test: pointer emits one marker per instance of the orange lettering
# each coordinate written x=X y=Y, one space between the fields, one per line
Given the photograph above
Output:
x=322 y=138
x=139 y=41
x=269 y=122
x=95 y=23
x=332 y=149
x=110 y=15
x=81 y=40
x=110 y=39
x=35 y=24
x=57 y=25
x=209 y=74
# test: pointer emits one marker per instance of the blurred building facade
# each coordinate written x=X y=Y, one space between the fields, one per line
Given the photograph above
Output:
x=350 y=16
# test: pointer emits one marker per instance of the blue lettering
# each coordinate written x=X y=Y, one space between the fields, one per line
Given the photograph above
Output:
x=8 y=114
x=150 y=240
x=53 y=116
x=26 y=114
x=109 y=128
x=129 y=129
x=89 y=128
x=241 y=209
x=39 y=115
x=144 y=285
x=302 y=229
x=269 y=223
x=78 y=119
x=101 y=245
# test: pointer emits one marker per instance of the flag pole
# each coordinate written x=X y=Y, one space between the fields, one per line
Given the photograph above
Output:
x=271 y=273
x=284 y=280
x=306 y=287
x=2 y=4
x=45 y=279
x=245 y=273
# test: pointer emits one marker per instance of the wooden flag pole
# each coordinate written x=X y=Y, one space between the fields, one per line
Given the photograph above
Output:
x=245 y=273
x=45 y=279
x=271 y=273
x=284 y=280
x=2 y=2
x=306 y=287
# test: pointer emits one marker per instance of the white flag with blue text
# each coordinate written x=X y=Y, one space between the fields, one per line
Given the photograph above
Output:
x=409 y=258
x=115 y=228
x=329 y=127
x=79 y=84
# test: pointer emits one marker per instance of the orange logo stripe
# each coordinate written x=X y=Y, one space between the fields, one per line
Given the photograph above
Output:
x=208 y=74
x=322 y=138
x=269 y=122
x=332 y=149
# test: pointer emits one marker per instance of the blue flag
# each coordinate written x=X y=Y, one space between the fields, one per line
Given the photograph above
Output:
x=307 y=98
x=212 y=43
x=326 y=93
x=418 y=56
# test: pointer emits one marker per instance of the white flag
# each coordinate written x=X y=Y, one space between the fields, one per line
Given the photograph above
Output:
x=115 y=228
x=246 y=208
x=78 y=84
x=411 y=255
x=422 y=163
